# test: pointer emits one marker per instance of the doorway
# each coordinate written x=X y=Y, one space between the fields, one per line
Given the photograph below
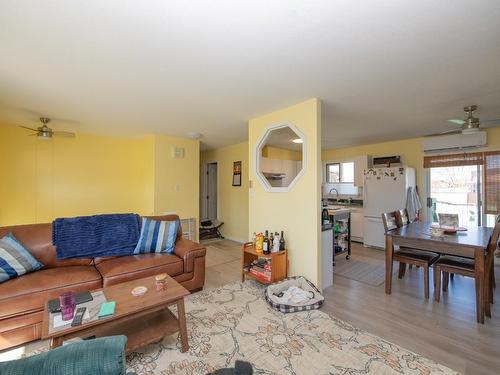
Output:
x=209 y=192
x=456 y=190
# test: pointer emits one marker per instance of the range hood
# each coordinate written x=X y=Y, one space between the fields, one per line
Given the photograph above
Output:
x=274 y=176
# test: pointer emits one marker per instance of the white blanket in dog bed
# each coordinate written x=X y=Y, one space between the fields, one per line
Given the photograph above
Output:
x=293 y=294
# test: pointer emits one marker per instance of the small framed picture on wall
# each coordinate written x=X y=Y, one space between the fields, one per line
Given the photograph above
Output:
x=237 y=173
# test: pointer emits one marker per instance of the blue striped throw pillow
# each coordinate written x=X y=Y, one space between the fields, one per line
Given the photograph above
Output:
x=15 y=260
x=157 y=236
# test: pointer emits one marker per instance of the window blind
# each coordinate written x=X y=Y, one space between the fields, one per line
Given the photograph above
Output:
x=492 y=182
x=454 y=160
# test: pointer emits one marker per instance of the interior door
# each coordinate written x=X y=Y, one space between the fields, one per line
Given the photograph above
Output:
x=212 y=191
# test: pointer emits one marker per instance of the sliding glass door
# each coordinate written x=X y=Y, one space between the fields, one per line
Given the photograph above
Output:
x=456 y=190
x=465 y=184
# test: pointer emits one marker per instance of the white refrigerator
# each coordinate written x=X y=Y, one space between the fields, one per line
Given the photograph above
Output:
x=384 y=190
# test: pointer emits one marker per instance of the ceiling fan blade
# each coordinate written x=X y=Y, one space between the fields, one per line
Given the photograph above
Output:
x=492 y=120
x=64 y=134
x=458 y=122
x=454 y=131
x=25 y=127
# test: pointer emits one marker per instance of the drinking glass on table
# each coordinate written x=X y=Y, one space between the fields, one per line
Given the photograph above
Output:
x=67 y=302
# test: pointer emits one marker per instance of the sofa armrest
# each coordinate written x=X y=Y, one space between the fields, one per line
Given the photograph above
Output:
x=188 y=250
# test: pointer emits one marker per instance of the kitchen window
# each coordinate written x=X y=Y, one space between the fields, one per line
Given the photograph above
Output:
x=340 y=172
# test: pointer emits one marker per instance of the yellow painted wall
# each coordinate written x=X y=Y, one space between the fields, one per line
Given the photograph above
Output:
x=233 y=200
x=410 y=149
x=297 y=212
x=89 y=174
x=177 y=180
x=281 y=153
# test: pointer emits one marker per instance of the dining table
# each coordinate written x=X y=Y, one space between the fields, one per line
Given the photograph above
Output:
x=470 y=243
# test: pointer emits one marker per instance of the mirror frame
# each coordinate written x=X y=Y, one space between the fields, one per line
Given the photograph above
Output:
x=258 y=158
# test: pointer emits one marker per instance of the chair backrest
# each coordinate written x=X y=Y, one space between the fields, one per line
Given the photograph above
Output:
x=493 y=243
x=390 y=221
x=402 y=217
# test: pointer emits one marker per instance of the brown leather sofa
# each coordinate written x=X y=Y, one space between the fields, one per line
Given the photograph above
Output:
x=22 y=299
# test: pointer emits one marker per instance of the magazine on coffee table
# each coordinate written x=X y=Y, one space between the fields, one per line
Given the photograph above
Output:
x=91 y=313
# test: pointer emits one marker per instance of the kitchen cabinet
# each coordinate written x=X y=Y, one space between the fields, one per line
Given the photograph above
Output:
x=360 y=164
x=357 y=224
x=289 y=168
x=272 y=165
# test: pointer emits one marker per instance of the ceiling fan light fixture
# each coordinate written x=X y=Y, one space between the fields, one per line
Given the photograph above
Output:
x=44 y=136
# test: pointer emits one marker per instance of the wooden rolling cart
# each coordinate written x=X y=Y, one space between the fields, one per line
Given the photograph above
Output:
x=279 y=263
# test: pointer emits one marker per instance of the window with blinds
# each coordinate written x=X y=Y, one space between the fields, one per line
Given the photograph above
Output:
x=491 y=173
x=492 y=182
x=454 y=160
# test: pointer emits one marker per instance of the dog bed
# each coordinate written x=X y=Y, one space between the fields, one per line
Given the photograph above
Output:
x=273 y=291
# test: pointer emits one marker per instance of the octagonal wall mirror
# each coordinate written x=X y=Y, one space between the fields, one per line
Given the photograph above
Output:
x=280 y=157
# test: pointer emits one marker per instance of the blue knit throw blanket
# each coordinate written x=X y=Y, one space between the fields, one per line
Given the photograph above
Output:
x=95 y=236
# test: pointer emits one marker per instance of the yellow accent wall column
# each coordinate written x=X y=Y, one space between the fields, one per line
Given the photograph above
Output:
x=296 y=212
x=177 y=187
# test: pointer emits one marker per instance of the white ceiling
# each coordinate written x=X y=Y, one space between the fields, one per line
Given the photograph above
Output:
x=383 y=69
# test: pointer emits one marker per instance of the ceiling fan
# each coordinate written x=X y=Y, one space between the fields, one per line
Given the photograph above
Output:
x=470 y=125
x=44 y=132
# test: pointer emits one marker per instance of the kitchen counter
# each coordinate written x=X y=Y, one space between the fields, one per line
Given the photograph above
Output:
x=337 y=210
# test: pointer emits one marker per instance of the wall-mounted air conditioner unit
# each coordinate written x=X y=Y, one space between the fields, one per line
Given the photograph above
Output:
x=445 y=143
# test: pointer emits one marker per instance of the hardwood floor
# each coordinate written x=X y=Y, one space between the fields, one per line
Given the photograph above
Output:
x=446 y=332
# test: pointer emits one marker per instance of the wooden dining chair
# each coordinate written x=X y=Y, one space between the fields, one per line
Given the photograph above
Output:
x=402 y=220
x=402 y=217
x=406 y=255
x=466 y=267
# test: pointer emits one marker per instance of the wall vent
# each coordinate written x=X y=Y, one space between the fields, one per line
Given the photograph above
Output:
x=178 y=152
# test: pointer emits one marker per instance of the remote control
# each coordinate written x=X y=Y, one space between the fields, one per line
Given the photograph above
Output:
x=77 y=320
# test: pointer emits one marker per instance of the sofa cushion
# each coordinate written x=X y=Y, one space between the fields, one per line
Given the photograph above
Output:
x=103 y=356
x=15 y=260
x=118 y=270
x=157 y=236
x=30 y=292
x=37 y=239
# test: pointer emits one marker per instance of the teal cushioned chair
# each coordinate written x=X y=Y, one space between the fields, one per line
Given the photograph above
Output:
x=102 y=356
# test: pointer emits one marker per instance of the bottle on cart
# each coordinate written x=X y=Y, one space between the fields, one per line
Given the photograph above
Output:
x=265 y=245
x=271 y=241
x=276 y=242
x=282 y=242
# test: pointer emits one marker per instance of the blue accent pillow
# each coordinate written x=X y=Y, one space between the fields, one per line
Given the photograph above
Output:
x=15 y=260
x=157 y=236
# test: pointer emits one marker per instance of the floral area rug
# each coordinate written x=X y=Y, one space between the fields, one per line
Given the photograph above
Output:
x=234 y=322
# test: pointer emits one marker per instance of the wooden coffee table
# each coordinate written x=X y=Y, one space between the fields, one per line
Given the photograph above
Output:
x=144 y=319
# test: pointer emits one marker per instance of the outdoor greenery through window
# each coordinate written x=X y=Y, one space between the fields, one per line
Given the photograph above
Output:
x=340 y=172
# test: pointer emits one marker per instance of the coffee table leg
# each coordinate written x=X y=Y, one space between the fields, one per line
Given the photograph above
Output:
x=56 y=342
x=182 y=325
